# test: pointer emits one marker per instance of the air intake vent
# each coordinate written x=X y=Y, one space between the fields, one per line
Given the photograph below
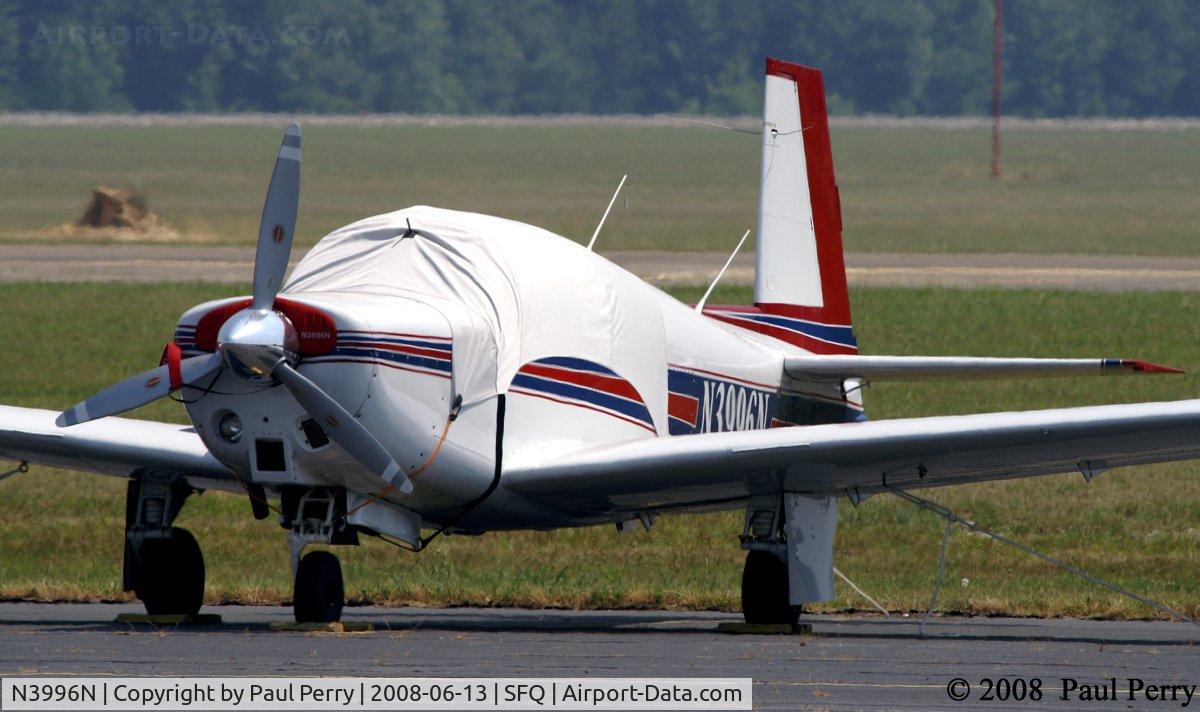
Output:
x=314 y=434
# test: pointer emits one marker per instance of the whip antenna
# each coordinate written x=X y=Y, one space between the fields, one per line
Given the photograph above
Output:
x=711 y=287
x=606 y=210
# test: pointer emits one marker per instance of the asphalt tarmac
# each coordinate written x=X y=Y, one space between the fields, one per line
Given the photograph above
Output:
x=1105 y=273
x=847 y=663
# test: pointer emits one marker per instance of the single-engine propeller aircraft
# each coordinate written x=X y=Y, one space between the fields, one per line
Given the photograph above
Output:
x=429 y=370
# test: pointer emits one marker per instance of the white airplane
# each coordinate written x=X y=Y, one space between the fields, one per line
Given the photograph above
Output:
x=429 y=370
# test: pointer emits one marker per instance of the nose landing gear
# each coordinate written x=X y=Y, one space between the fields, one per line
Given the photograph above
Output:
x=319 y=594
x=316 y=516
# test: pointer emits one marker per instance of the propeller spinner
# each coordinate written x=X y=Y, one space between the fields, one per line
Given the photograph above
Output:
x=259 y=343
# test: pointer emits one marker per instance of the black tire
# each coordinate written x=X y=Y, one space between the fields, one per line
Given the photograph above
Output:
x=171 y=575
x=319 y=595
x=765 y=590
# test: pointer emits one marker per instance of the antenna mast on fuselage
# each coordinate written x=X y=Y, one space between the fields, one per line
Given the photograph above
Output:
x=604 y=217
x=711 y=287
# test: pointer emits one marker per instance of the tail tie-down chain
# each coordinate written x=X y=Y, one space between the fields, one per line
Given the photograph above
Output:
x=952 y=518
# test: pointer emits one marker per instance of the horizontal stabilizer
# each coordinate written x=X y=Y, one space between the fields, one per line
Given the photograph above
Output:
x=958 y=368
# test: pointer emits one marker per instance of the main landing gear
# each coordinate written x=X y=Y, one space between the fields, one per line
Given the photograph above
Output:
x=765 y=594
x=163 y=563
x=788 y=540
x=316 y=516
x=765 y=590
x=172 y=581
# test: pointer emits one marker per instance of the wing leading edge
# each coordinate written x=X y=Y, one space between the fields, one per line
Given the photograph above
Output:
x=860 y=458
x=111 y=446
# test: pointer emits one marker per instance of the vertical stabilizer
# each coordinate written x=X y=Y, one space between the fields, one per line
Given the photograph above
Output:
x=800 y=280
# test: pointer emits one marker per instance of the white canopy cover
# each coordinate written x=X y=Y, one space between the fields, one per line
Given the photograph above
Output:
x=512 y=293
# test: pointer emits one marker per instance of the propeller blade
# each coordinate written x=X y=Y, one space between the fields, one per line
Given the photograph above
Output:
x=342 y=427
x=140 y=389
x=278 y=224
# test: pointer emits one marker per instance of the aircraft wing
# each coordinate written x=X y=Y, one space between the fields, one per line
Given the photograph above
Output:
x=111 y=446
x=690 y=471
x=921 y=368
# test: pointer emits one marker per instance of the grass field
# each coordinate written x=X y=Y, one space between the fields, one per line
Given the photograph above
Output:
x=60 y=533
x=903 y=189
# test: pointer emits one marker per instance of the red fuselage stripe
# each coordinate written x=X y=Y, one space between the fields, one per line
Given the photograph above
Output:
x=597 y=381
x=796 y=338
x=683 y=407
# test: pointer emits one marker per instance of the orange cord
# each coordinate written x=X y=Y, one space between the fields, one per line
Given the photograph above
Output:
x=432 y=456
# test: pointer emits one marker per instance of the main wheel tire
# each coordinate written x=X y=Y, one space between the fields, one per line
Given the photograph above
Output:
x=319 y=595
x=765 y=590
x=171 y=575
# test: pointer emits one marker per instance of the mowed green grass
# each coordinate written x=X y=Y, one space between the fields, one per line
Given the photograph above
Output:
x=60 y=532
x=908 y=190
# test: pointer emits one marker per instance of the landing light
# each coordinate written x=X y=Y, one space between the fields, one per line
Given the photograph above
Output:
x=230 y=428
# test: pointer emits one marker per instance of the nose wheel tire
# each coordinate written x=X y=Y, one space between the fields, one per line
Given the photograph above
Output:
x=171 y=580
x=319 y=594
x=765 y=590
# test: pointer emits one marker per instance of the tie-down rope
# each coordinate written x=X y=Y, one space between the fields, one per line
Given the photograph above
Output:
x=861 y=592
x=952 y=518
x=937 y=587
x=23 y=467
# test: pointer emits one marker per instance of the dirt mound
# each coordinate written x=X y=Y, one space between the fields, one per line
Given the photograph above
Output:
x=117 y=214
x=117 y=208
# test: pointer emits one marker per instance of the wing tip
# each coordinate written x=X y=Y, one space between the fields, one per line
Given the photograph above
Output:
x=1140 y=366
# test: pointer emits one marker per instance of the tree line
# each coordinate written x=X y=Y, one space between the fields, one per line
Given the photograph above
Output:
x=903 y=57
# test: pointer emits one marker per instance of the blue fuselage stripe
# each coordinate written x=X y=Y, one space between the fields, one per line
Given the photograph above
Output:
x=843 y=335
x=567 y=390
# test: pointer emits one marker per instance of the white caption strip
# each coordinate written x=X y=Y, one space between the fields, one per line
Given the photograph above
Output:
x=239 y=693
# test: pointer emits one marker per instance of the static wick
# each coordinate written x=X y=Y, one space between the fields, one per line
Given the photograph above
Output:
x=711 y=287
x=592 y=242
